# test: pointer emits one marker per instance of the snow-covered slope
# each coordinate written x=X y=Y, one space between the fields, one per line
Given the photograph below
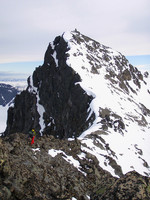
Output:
x=3 y=118
x=121 y=129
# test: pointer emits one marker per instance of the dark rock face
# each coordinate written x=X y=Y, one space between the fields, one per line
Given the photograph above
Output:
x=20 y=117
x=65 y=102
x=7 y=93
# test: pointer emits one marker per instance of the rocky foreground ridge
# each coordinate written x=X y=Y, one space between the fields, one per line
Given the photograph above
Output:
x=54 y=169
x=90 y=109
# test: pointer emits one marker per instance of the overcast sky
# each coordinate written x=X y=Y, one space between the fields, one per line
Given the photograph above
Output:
x=27 y=26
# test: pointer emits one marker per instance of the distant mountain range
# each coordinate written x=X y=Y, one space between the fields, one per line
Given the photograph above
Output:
x=8 y=90
x=7 y=93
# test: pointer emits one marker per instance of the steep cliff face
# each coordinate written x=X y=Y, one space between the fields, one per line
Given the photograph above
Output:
x=53 y=103
x=22 y=113
x=91 y=92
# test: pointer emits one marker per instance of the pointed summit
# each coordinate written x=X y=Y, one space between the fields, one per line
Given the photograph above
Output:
x=87 y=90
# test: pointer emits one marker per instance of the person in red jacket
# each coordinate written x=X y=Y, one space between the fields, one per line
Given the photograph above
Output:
x=32 y=134
x=32 y=141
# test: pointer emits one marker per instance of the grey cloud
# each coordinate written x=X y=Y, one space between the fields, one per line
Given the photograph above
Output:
x=28 y=26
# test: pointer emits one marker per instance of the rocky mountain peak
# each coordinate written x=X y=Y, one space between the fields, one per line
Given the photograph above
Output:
x=104 y=59
x=52 y=98
x=91 y=92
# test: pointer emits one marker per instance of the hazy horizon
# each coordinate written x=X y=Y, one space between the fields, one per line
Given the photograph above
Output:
x=24 y=69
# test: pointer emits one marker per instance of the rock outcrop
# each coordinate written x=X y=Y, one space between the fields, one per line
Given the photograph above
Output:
x=52 y=171
x=131 y=186
x=33 y=172
x=53 y=90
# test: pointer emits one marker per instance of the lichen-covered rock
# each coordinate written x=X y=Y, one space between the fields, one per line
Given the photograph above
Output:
x=30 y=172
x=132 y=186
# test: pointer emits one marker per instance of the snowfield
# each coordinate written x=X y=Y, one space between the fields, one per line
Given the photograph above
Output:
x=131 y=146
x=3 y=118
x=126 y=141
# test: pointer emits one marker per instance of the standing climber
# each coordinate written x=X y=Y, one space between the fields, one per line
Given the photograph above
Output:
x=32 y=133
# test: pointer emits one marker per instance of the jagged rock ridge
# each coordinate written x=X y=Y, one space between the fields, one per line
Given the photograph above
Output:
x=89 y=90
x=53 y=90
